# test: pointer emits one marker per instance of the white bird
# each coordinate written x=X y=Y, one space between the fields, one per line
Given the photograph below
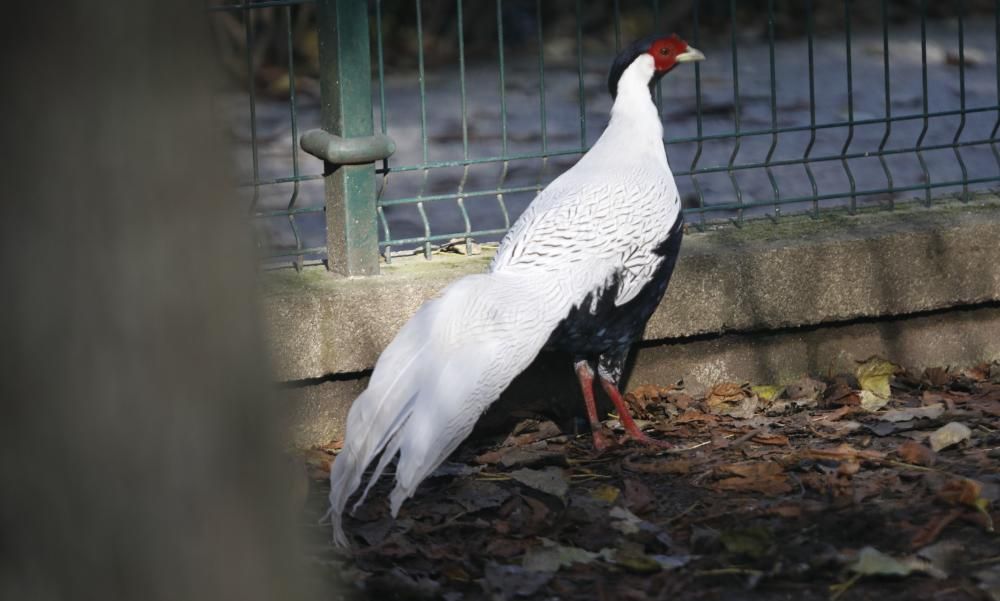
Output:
x=581 y=270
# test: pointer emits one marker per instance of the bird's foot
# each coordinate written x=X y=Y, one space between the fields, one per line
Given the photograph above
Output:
x=602 y=442
x=625 y=417
x=643 y=438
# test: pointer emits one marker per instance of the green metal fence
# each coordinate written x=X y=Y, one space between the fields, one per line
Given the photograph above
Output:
x=801 y=107
x=274 y=193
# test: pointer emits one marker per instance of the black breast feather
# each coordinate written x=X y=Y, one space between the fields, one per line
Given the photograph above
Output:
x=586 y=332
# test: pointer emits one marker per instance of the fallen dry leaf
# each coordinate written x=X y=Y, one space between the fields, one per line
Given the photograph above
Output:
x=903 y=415
x=682 y=400
x=753 y=542
x=841 y=393
x=489 y=457
x=871 y=401
x=836 y=414
x=989 y=582
x=966 y=492
x=962 y=491
x=783 y=406
x=766 y=393
x=534 y=454
x=928 y=397
x=539 y=510
x=550 y=480
x=913 y=452
x=728 y=390
x=844 y=452
x=625 y=521
x=510 y=581
x=872 y=562
x=848 y=467
x=606 y=493
x=506 y=547
x=638 y=497
x=695 y=416
x=932 y=530
x=641 y=397
x=657 y=466
x=771 y=439
x=944 y=556
x=764 y=477
x=978 y=373
x=474 y=495
x=948 y=435
x=530 y=431
x=988 y=407
x=732 y=399
x=633 y=560
x=873 y=375
x=551 y=556
x=788 y=511
x=936 y=376
x=527 y=457
x=407 y=586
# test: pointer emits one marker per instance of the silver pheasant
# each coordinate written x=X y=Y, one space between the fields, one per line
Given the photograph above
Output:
x=581 y=270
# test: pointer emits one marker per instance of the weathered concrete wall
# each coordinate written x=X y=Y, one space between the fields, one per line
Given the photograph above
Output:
x=952 y=337
x=960 y=336
x=733 y=287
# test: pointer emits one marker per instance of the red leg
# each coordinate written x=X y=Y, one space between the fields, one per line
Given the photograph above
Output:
x=626 y=418
x=586 y=376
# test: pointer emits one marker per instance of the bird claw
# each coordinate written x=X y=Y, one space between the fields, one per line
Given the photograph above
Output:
x=601 y=440
x=645 y=439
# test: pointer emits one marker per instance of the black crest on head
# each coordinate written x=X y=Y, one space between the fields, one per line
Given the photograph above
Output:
x=625 y=58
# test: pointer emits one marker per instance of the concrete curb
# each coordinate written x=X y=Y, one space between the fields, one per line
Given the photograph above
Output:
x=796 y=272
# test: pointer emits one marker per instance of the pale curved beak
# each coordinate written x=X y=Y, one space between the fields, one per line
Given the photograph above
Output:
x=690 y=55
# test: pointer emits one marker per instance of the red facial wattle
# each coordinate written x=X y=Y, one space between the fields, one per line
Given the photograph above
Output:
x=665 y=51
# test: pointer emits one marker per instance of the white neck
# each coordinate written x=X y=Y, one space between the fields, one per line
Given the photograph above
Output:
x=633 y=102
x=634 y=135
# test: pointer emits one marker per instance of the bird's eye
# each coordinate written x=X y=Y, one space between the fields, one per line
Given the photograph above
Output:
x=664 y=51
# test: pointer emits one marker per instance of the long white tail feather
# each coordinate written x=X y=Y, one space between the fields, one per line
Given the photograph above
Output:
x=380 y=410
x=444 y=368
x=387 y=456
x=435 y=434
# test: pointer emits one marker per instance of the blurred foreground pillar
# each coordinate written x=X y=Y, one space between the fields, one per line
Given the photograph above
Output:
x=140 y=452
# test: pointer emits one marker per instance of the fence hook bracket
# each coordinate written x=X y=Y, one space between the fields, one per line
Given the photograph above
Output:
x=338 y=150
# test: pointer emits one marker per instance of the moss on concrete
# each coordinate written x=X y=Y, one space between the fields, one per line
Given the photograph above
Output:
x=403 y=270
x=793 y=229
x=803 y=226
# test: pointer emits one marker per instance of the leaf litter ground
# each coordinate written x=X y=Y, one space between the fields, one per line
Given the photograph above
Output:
x=876 y=484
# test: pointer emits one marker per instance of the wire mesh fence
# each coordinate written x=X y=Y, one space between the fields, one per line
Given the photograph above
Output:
x=259 y=44
x=801 y=107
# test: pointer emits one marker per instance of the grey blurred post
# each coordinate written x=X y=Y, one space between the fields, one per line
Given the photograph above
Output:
x=141 y=445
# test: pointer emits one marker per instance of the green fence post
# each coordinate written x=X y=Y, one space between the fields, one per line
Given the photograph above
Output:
x=346 y=143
